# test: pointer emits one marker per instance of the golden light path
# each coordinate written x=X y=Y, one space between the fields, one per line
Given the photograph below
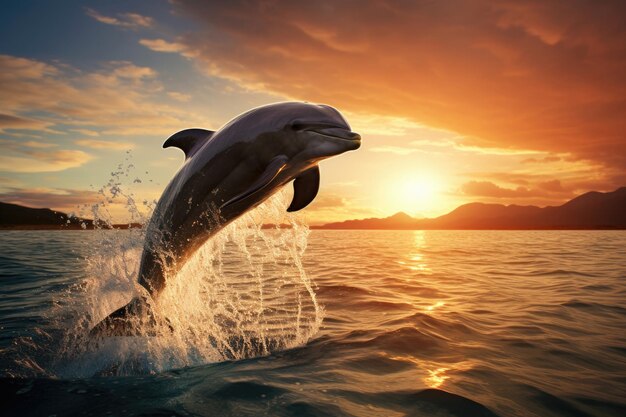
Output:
x=434 y=374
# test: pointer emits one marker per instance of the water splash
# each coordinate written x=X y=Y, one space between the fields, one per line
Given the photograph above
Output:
x=244 y=293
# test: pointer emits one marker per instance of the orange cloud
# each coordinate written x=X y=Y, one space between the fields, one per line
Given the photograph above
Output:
x=546 y=159
x=104 y=144
x=535 y=75
x=35 y=144
x=86 y=132
x=179 y=96
x=44 y=161
x=33 y=156
x=8 y=121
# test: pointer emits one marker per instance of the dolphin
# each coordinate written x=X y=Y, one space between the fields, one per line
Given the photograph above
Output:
x=226 y=173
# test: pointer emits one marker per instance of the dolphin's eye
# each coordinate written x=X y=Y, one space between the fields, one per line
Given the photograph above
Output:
x=298 y=126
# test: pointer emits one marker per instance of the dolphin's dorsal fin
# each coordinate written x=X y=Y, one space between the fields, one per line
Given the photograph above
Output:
x=305 y=188
x=189 y=140
x=276 y=165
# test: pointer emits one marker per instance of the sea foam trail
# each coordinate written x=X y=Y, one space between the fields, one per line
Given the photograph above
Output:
x=243 y=294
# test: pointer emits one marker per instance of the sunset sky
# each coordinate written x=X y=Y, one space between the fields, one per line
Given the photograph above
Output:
x=515 y=102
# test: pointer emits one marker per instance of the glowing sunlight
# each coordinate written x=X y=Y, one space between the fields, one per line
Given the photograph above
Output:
x=414 y=193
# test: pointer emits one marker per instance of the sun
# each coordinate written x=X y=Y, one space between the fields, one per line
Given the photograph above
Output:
x=419 y=189
x=413 y=194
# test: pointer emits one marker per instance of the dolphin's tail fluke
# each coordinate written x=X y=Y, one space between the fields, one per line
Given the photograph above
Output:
x=134 y=319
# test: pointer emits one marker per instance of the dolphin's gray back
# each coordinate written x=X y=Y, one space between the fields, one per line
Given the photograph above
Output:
x=187 y=212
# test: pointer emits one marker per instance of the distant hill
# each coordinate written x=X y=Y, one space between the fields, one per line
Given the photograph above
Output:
x=399 y=221
x=16 y=217
x=592 y=210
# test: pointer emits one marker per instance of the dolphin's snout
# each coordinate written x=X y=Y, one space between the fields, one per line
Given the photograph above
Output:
x=337 y=132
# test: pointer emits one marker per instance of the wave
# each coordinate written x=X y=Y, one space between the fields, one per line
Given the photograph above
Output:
x=245 y=293
x=243 y=397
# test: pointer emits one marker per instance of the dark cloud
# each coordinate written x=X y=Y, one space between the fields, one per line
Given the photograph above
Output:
x=536 y=190
x=511 y=74
x=489 y=189
x=546 y=159
x=569 y=182
x=553 y=186
x=546 y=192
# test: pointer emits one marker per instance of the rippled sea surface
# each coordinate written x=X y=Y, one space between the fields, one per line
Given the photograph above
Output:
x=416 y=323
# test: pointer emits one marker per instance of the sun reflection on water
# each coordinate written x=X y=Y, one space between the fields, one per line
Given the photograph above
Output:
x=435 y=306
x=416 y=261
x=436 y=377
x=434 y=374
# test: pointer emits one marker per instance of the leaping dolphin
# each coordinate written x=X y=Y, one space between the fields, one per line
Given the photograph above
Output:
x=226 y=173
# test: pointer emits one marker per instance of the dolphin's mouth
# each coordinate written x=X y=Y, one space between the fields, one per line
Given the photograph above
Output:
x=338 y=133
x=335 y=132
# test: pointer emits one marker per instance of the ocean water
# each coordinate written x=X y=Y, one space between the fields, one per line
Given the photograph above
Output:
x=322 y=323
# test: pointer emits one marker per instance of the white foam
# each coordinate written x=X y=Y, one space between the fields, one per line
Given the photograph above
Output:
x=244 y=293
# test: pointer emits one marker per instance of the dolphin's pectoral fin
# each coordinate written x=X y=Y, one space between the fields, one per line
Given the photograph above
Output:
x=276 y=165
x=305 y=189
x=189 y=140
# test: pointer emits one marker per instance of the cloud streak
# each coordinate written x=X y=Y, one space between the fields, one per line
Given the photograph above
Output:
x=104 y=144
x=8 y=121
x=62 y=199
x=125 y=20
x=86 y=101
x=44 y=161
x=161 y=45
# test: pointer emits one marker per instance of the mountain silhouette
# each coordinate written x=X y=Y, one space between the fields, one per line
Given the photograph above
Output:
x=14 y=216
x=592 y=210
